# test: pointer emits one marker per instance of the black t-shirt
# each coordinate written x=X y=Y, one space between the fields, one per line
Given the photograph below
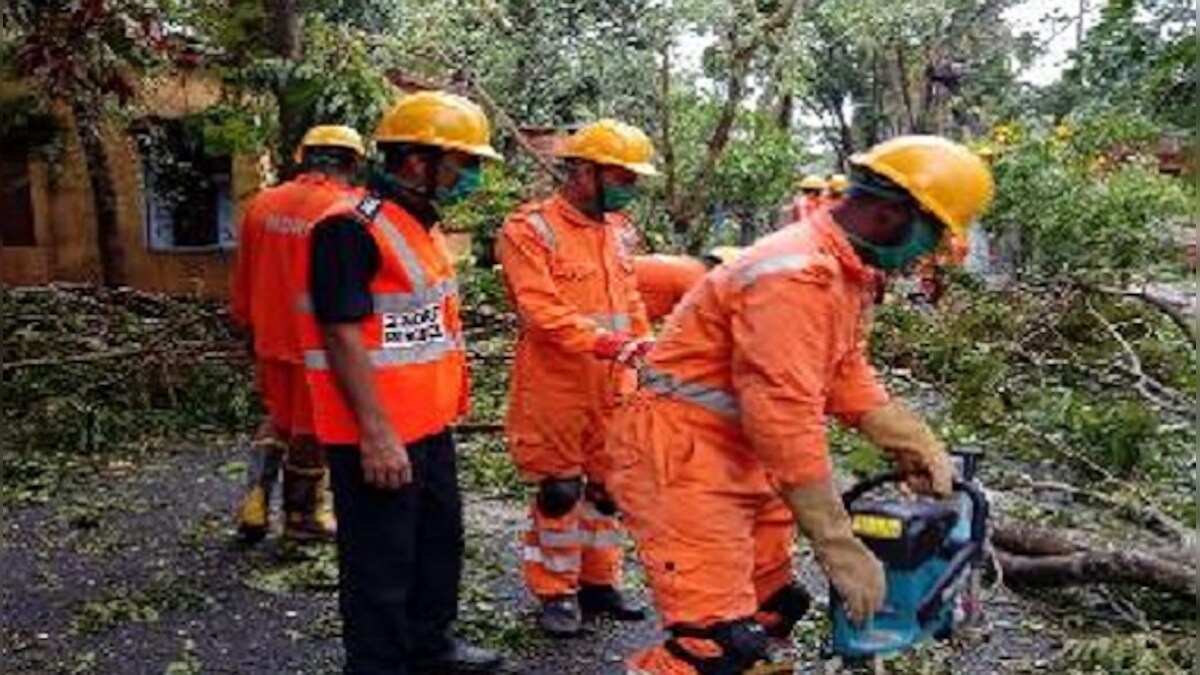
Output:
x=344 y=258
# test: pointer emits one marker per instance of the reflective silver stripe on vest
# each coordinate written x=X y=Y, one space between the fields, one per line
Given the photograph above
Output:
x=412 y=264
x=400 y=301
x=712 y=399
x=617 y=323
x=318 y=359
x=545 y=232
x=786 y=262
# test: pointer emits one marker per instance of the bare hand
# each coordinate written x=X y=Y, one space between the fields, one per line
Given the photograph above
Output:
x=385 y=460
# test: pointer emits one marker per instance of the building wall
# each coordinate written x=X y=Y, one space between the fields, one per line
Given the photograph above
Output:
x=65 y=219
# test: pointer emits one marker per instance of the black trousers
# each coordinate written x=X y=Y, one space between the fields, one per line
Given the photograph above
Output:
x=399 y=557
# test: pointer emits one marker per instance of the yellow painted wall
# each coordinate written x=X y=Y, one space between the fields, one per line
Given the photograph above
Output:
x=64 y=212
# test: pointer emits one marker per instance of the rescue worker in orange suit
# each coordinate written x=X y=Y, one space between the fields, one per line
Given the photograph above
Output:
x=386 y=368
x=569 y=273
x=809 y=200
x=268 y=271
x=663 y=280
x=723 y=452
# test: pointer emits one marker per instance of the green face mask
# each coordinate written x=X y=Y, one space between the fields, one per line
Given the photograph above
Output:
x=923 y=240
x=617 y=197
x=470 y=178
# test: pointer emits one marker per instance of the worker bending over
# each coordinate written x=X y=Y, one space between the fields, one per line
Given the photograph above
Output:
x=270 y=270
x=569 y=273
x=723 y=451
x=386 y=367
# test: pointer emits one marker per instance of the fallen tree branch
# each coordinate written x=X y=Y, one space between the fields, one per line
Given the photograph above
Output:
x=1091 y=567
x=1186 y=322
x=1032 y=555
x=1143 y=513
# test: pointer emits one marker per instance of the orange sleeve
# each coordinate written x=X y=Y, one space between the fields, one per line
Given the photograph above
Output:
x=525 y=261
x=243 y=264
x=639 y=317
x=783 y=340
x=856 y=389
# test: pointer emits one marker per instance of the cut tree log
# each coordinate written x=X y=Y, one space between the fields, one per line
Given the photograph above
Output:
x=1035 y=556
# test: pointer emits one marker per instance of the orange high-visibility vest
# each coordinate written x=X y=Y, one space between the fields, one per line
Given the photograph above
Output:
x=272 y=260
x=414 y=338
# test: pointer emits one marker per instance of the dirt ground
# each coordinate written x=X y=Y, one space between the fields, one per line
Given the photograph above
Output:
x=137 y=572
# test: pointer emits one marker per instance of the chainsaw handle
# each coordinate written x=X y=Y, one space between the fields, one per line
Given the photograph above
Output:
x=979 y=513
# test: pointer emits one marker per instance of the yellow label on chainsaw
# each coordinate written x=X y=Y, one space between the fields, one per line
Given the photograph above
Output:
x=877 y=527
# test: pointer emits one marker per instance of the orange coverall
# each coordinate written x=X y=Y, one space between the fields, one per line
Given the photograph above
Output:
x=733 y=402
x=663 y=280
x=270 y=274
x=570 y=279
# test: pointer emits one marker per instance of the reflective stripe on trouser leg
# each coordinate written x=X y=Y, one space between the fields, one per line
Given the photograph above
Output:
x=551 y=553
x=602 y=553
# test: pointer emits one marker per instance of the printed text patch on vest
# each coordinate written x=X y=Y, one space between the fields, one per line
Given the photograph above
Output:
x=418 y=327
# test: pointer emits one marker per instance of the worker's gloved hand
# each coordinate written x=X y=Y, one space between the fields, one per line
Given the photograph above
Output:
x=622 y=348
x=911 y=445
x=851 y=567
x=633 y=354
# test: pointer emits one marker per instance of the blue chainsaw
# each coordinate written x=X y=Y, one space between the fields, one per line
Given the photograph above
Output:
x=930 y=551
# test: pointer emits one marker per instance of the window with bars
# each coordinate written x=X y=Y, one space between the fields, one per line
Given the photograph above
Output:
x=188 y=192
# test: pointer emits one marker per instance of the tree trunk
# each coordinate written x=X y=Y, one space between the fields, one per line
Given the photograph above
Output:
x=285 y=28
x=1036 y=556
x=104 y=195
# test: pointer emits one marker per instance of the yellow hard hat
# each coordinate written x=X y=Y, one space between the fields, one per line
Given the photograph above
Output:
x=438 y=119
x=613 y=143
x=331 y=136
x=724 y=254
x=944 y=177
x=838 y=183
x=811 y=182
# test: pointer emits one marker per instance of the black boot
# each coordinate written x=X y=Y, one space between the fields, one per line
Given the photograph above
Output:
x=459 y=657
x=608 y=601
x=560 y=616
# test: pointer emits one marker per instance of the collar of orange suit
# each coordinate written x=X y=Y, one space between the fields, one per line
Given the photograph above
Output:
x=832 y=236
x=573 y=215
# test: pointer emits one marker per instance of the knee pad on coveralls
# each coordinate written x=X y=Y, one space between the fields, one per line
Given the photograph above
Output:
x=558 y=496
x=742 y=643
x=780 y=612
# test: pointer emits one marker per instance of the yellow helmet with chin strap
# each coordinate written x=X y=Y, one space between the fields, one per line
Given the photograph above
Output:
x=612 y=143
x=441 y=120
x=946 y=178
x=330 y=136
